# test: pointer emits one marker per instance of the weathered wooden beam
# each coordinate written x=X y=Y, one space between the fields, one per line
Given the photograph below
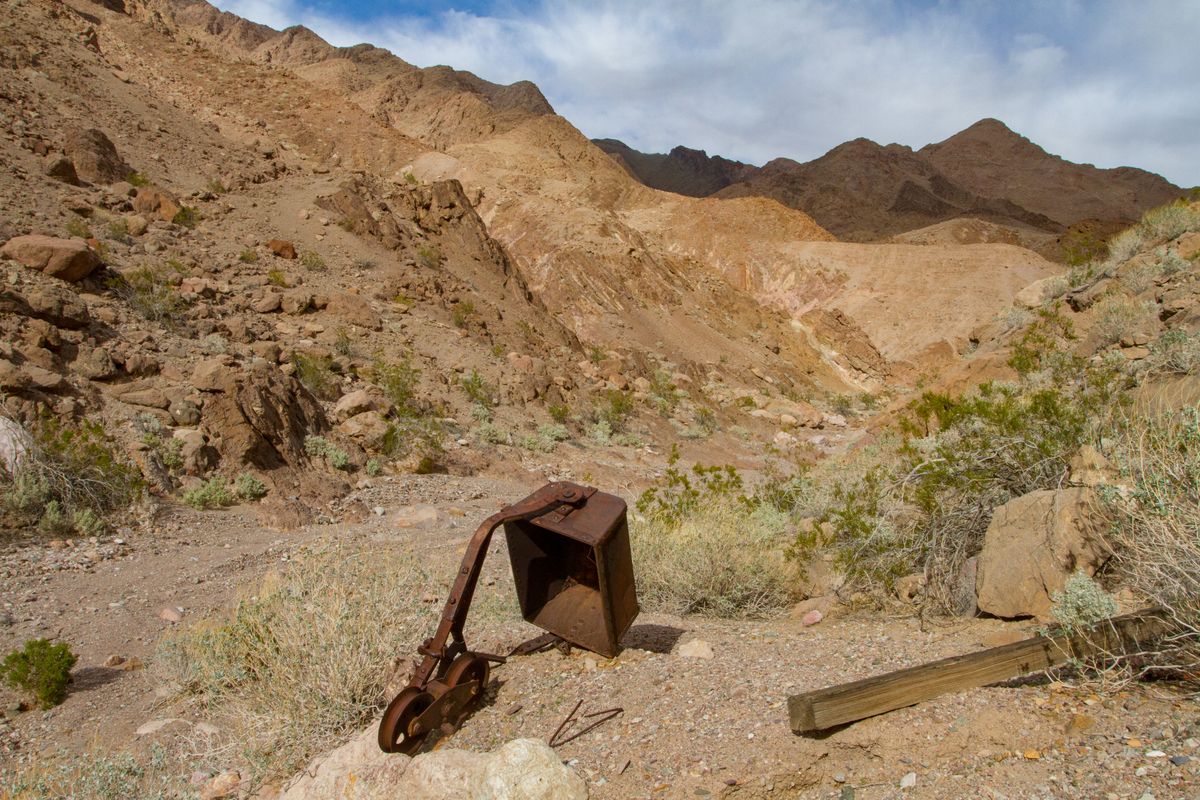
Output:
x=848 y=702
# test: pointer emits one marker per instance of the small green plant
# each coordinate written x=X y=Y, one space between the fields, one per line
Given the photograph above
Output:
x=276 y=277
x=410 y=179
x=842 y=404
x=403 y=300
x=186 y=216
x=250 y=256
x=596 y=354
x=118 y=231
x=216 y=187
x=429 y=257
x=1117 y=317
x=320 y=447
x=137 y=179
x=249 y=487
x=462 y=313
x=151 y=293
x=614 y=409
x=1082 y=603
x=546 y=440
x=212 y=493
x=497 y=350
x=559 y=412
x=398 y=379
x=491 y=434
x=316 y=373
x=679 y=493
x=42 y=669
x=343 y=345
x=168 y=449
x=601 y=432
x=312 y=261
x=79 y=229
x=374 y=467
x=664 y=395
x=477 y=389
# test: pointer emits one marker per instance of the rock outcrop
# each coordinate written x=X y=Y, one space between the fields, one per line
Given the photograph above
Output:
x=70 y=260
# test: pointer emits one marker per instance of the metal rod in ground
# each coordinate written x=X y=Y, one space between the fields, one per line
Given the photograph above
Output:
x=564 y=723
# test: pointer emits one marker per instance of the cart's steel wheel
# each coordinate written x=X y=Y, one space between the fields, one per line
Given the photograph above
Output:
x=468 y=667
x=395 y=734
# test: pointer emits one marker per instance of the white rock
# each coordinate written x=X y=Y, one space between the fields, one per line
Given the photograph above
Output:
x=156 y=725
x=908 y=781
x=527 y=769
x=695 y=648
x=14 y=444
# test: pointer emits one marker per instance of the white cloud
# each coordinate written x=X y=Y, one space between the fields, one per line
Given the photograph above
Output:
x=1108 y=83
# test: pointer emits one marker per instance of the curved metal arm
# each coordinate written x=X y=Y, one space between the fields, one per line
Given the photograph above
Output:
x=454 y=615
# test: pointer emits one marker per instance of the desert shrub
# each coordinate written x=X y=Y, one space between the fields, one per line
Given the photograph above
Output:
x=1171 y=262
x=137 y=179
x=601 y=432
x=429 y=256
x=150 y=292
x=491 y=434
x=477 y=389
x=664 y=395
x=843 y=404
x=276 y=277
x=1081 y=247
x=597 y=354
x=1156 y=534
x=216 y=186
x=1166 y=222
x=705 y=420
x=306 y=659
x=1122 y=247
x=212 y=493
x=186 y=216
x=415 y=428
x=248 y=256
x=374 y=467
x=546 y=439
x=41 y=669
x=614 y=408
x=702 y=547
x=343 y=345
x=1081 y=603
x=316 y=373
x=92 y=776
x=926 y=507
x=1142 y=277
x=79 y=229
x=559 y=412
x=249 y=487
x=1176 y=351
x=165 y=447
x=462 y=313
x=312 y=261
x=1117 y=317
x=68 y=470
x=118 y=231
x=320 y=447
x=88 y=523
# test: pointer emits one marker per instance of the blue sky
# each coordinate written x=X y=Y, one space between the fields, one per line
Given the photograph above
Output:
x=1109 y=82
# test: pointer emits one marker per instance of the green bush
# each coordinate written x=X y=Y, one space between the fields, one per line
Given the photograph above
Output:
x=118 y=231
x=429 y=257
x=664 y=395
x=462 y=313
x=1081 y=603
x=614 y=409
x=559 y=412
x=276 y=277
x=248 y=256
x=186 y=216
x=491 y=434
x=1176 y=351
x=312 y=261
x=478 y=390
x=137 y=179
x=213 y=493
x=41 y=669
x=1117 y=317
x=150 y=292
x=67 y=471
x=79 y=229
x=316 y=373
x=374 y=467
x=320 y=447
x=216 y=187
x=249 y=487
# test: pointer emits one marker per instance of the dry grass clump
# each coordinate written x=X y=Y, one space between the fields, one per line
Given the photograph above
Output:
x=93 y=776
x=305 y=660
x=723 y=560
x=1156 y=537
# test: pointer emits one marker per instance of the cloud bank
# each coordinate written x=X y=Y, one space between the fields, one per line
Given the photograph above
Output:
x=1109 y=83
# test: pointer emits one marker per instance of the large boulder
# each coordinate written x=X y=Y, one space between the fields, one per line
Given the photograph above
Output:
x=156 y=202
x=70 y=260
x=94 y=156
x=14 y=444
x=1033 y=544
x=54 y=304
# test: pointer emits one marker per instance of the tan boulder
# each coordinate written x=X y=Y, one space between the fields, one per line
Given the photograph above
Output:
x=1039 y=292
x=1033 y=544
x=151 y=200
x=354 y=309
x=354 y=403
x=94 y=156
x=213 y=375
x=1090 y=468
x=136 y=224
x=282 y=248
x=296 y=301
x=70 y=260
x=369 y=429
x=804 y=414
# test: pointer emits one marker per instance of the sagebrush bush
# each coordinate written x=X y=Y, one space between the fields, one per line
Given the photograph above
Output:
x=212 y=493
x=316 y=373
x=249 y=487
x=41 y=669
x=1156 y=534
x=1166 y=222
x=1117 y=317
x=306 y=659
x=477 y=389
x=93 y=776
x=719 y=558
x=1081 y=603
x=312 y=261
x=70 y=478
x=320 y=447
x=1176 y=351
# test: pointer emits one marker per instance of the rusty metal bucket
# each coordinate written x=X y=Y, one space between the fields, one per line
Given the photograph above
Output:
x=574 y=572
